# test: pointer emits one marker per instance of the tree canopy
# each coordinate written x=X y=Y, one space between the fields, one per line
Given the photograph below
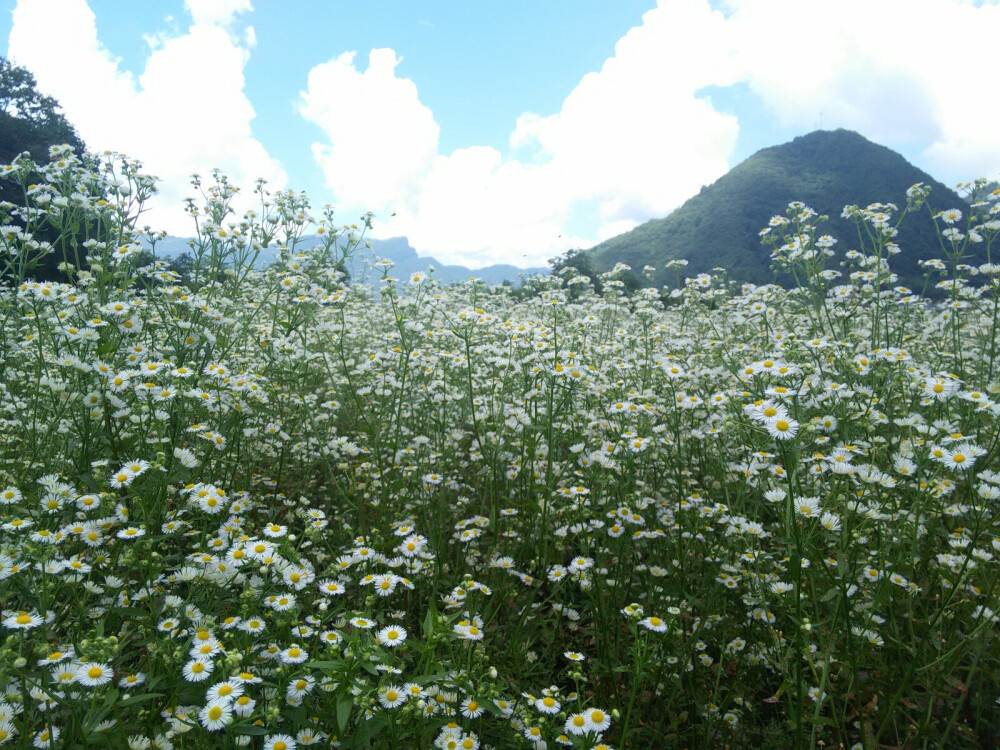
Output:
x=29 y=120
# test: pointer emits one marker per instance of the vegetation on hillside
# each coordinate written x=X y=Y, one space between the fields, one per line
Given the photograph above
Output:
x=827 y=170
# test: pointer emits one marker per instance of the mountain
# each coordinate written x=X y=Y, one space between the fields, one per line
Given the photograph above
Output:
x=396 y=249
x=826 y=170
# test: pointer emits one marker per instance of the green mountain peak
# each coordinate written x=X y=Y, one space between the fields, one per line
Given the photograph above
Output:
x=826 y=170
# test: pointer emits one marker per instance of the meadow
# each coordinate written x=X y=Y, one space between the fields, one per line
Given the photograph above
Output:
x=275 y=508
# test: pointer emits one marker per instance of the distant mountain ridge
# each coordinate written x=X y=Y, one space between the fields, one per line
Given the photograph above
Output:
x=396 y=249
x=826 y=170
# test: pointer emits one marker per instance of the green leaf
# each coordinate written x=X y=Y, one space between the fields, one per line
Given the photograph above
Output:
x=427 y=626
x=141 y=698
x=324 y=664
x=253 y=729
x=133 y=613
x=344 y=706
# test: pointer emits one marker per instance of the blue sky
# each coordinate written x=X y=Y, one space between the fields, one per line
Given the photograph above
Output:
x=505 y=132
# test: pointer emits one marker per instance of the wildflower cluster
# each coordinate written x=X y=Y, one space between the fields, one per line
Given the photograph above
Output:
x=270 y=508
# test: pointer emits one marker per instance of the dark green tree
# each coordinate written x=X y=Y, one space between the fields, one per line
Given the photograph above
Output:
x=576 y=262
x=29 y=120
x=182 y=265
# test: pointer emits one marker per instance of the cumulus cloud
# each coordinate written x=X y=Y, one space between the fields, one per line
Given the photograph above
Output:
x=382 y=139
x=216 y=12
x=635 y=139
x=901 y=72
x=635 y=134
x=167 y=117
x=630 y=142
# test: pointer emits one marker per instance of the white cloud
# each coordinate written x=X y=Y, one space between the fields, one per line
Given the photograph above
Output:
x=216 y=12
x=635 y=134
x=631 y=141
x=901 y=72
x=382 y=139
x=168 y=117
x=634 y=140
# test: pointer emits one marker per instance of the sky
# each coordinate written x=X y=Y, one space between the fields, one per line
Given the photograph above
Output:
x=489 y=132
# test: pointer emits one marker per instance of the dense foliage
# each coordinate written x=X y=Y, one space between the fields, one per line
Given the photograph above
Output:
x=29 y=120
x=718 y=228
x=29 y=123
x=267 y=509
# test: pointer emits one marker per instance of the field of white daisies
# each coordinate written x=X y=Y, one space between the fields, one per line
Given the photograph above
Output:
x=277 y=509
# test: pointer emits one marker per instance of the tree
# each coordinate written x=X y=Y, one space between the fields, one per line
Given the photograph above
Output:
x=32 y=122
x=29 y=120
x=581 y=264
x=182 y=265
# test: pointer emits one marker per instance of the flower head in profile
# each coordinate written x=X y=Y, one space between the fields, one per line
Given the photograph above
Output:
x=655 y=624
x=961 y=456
x=22 y=621
x=280 y=742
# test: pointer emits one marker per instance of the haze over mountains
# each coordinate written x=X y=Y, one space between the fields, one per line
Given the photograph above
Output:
x=396 y=249
x=719 y=227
